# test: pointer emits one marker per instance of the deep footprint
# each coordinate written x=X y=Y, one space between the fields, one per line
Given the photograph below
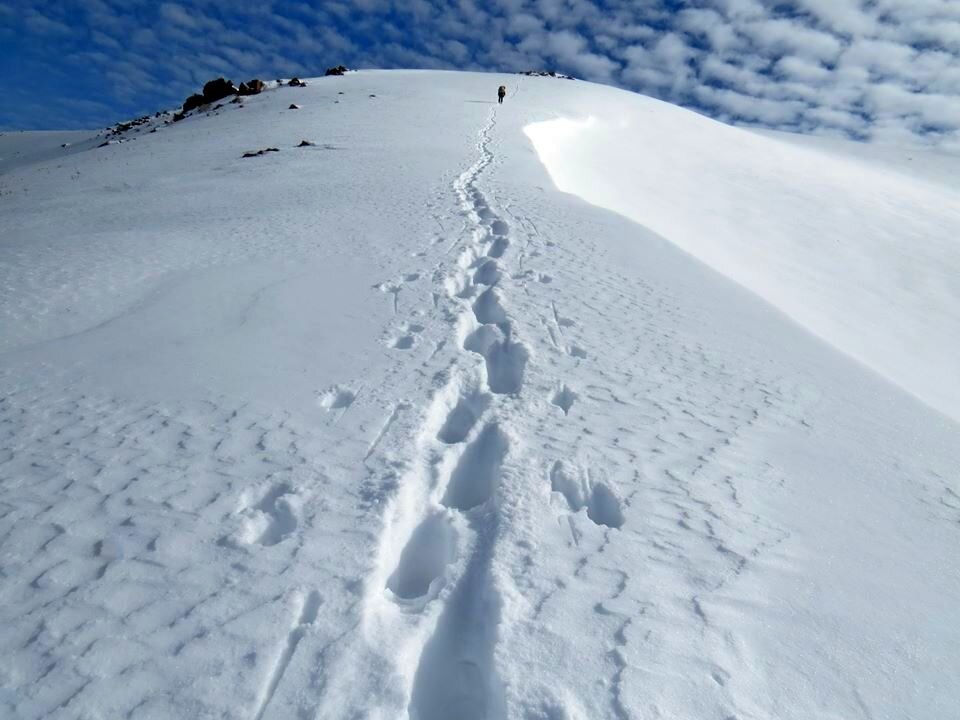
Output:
x=499 y=227
x=498 y=247
x=463 y=417
x=604 y=507
x=565 y=481
x=430 y=549
x=475 y=478
x=488 y=308
x=506 y=360
x=487 y=274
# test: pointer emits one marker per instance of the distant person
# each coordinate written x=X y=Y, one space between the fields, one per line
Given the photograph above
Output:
x=501 y=92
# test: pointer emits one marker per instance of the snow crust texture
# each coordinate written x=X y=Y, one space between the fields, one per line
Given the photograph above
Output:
x=388 y=426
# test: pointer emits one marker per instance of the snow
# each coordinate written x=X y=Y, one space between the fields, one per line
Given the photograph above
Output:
x=409 y=423
x=865 y=257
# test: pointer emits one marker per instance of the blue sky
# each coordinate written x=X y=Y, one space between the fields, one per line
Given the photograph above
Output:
x=870 y=69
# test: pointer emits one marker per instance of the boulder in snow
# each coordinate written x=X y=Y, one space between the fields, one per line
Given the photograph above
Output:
x=338 y=70
x=296 y=82
x=252 y=87
x=218 y=90
x=258 y=153
x=191 y=103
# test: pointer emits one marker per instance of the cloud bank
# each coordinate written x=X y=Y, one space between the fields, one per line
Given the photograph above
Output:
x=885 y=70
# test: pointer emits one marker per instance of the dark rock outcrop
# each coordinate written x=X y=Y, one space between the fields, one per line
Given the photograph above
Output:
x=547 y=73
x=192 y=103
x=252 y=87
x=338 y=70
x=218 y=90
x=258 y=153
x=296 y=82
x=213 y=91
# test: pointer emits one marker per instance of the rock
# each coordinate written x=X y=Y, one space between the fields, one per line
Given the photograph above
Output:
x=257 y=153
x=191 y=103
x=296 y=82
x=306 y=143
x=293 y=106
x=338 y=70
x=218 y=90
x=547 y=73
x=252 y=87
x=212 y=92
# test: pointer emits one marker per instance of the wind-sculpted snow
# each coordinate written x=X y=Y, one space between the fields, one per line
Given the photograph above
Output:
x=390 y=427
x=861 y=254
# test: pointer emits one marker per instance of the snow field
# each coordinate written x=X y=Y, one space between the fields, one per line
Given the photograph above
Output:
x=424 y=437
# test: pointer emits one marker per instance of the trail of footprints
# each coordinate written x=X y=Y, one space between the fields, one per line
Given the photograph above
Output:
x=448 y=547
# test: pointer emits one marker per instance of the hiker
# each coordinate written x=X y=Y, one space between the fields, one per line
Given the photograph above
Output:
x=501 y=92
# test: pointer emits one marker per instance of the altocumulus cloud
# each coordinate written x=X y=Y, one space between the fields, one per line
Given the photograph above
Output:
x=869 y=69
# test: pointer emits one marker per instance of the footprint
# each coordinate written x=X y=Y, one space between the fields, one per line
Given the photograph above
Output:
x=577 y=352
x=281 y=508
x=499 y=247
x=269 y=521
x=564 y=399
x=487 y=274
x=604 y=507
x=463 y=417
x=429 y=550
x=474 y=479
x=488 y=308
x=408 y=339
x=411 y=277
x=337 y=397
x=506 y=360
x=499 y=227
x=565 y=481
x=311 y=608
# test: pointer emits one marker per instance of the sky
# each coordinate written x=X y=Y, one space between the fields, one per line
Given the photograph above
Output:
x=877 y=70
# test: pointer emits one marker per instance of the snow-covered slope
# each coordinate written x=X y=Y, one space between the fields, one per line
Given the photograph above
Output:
x=388 y=426
x=860 y=250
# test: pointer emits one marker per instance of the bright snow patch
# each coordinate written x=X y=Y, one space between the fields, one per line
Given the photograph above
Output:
x=864 y=255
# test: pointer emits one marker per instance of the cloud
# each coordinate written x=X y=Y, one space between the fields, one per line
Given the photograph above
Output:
x=883 y=69
x=44 y=26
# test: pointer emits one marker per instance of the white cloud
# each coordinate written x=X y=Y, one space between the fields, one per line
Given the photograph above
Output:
x=871 y=68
